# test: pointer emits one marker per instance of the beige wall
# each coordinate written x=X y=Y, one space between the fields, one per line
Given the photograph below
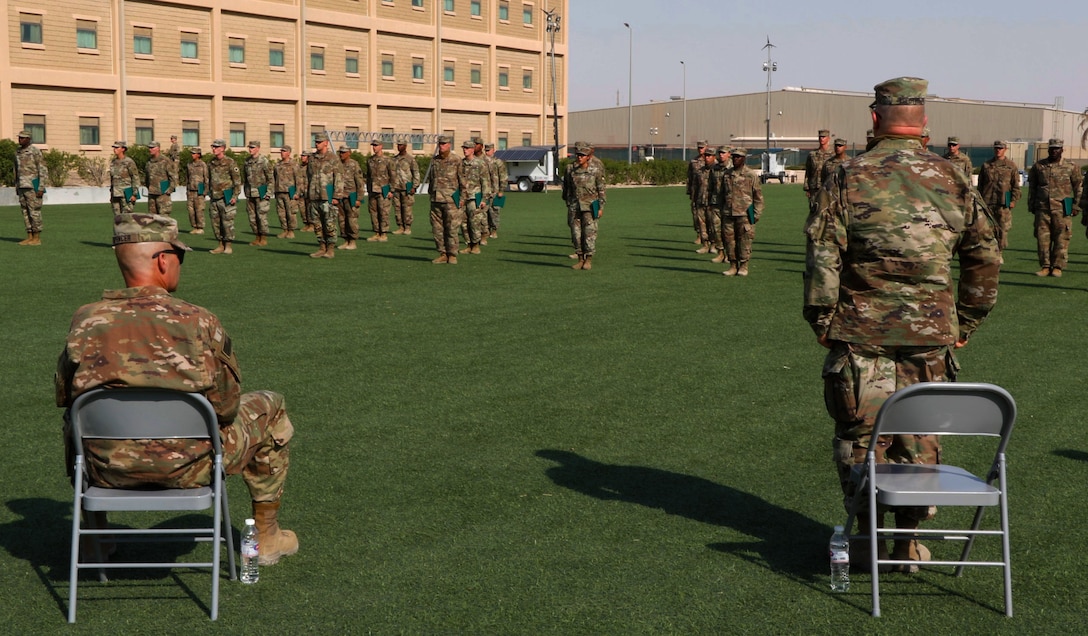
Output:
x=62 y=109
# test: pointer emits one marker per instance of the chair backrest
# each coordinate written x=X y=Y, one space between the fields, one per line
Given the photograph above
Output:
x=143 y=413
x=948 y=408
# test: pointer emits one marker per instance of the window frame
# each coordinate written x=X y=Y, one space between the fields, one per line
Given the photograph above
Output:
x=419 y=62
x=143 y=33
x=96 y=143
x=190 y=136
x=390 y=59
x=27 y=21
x=317 y=53
x=188 y=36
x=274 y=130
x=82 y=29
x=145 y=134
x=236 y=131
x=277 y=46
x=236 y=43
x=36 y=128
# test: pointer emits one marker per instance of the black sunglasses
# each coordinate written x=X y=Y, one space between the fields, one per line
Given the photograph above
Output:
x=176 y=252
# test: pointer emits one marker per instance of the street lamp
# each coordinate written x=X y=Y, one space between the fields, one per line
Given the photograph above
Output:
x=769 y=67
x=684 y=98
x=630 y=84
x=553 y=28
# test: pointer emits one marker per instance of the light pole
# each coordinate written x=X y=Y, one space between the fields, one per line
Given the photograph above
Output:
x=553 y=28
x=769 y=67
x=653 y=132
x=684 y=98
x=630 y=84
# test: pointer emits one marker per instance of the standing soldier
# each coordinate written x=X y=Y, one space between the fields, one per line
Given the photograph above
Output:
x=162 y=179
x=1053 y=192
x=324 y=178
x=999 y=185
x=925 y=138
x=584 y=194
x=405 y=181
x=444 y=186
x=499 y=175
x=379 y=176
x=815 y=163
x=124 y=180
x=351 y=198
x=226 y=182
x=475 y=188
x=199 y=181
x=288 y=191
x=832 y=164
x=303 y=169
x=715 y=197
x=485 y=203
x=173 y=153
x=958 y=159
x=259 y=187
x=694 y=164
x=700 y=197
x=30 y=176
x=742 y=205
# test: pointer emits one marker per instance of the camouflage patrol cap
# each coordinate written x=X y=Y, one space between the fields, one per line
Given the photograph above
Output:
x=173 y=137
x=24 y=134
x=146 y=228
x=1055 y=143
x=285 y=148
x=739 y=152
x=120 y=144
x=901 y=91
x=343 y=149
x=154 y=144
x=824 y=133
x=443 y=139
x=219 y=143
x=840 y=142
x=489 y=146
x=196 y=151
x=319 y=137
x=724 y=150
x=253 y=143
x=376 y=142
x=953 y=141
x=582 y=149
x=869 y=134
x=701 y=143
x=468 y=144
x=999 y=144
x=479 y=141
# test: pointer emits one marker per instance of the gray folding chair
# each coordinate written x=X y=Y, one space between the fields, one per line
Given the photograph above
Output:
x=144 y=413
x=939 y=408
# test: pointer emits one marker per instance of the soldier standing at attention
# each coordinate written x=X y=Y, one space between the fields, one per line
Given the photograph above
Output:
x=475 y=189
x=815 y=163
x=303 y=169
x=958 y=159
x=742 y=205
x=349 y=205
x=584 y=194
x=879 y=291
x=485 y=203
x=405 y=182
x=162 y=179
x=1053 y=192
x=124 y=180
x=499 y=176
x=324 y=178
x=999 y=185
x=700 y=198
x=832 y=164
x=199 y=184
x=288 y=191
x=30 y=176
x=696 y=163
x=173 y=153
x=259 y=190
x=718 y=173
x=226 y=183
x=443 y=184
x=379 y=176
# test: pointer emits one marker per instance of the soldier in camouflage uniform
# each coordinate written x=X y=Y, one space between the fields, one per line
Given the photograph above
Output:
x=379 y=177
x=815 y=163
x=124 y=176
x=288 y=192
x=142 y=336
x=999 y=185
x=718 y=174
x=444 y=186
x=303 y=169
x=353 y=183
x=475 y=189
x=696 y=163
x=161 y=171
x=324 y=177
x=260 y=186
x=173 y=153
x=958 y=159
x=30 y=177
x=1053 y=197
x=198 y=188
x=225 y=182
x=584 y=194
x=499 y=176
x=879 y=289
x=404 y=184
x=831 y=166
x=485 y=203
x=742 y=205
x=700 y=199
x=925 y=138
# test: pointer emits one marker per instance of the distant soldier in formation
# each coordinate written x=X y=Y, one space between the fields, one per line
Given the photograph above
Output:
x=742 y=205
x=288 y=192
x=199 y=185
x=696 y=162
x=444 y=181
x=173 y=153
x=499 y=176
x=405 y=182
x=30 y=177
x=303 y=168
x=379 y=176
x=715 y=197
x=350 y=197
x=832 y=164
x=162 y=180
x=815 y=163
x=485 y=203
x=226 y=183
x=584 y=194
x=700 y=199
x=259 y=190
x=324 y=178
x=999 y=185
x=124 y=180
x=925 y=138
x=475 y=188
x=958 y=159
x=1053 y=197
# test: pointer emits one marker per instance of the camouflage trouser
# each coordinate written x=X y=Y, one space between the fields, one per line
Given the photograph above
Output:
x=857 y=380
x=31 y=205
x=737 y=236
x=1052 y=233
x=698 y=216
x=160 y=204
x=1003 y=216
x=257 y=209
x=121 y=205
x=379 y=212
x=287 y=208
x=493 y=217
x=714 y=227
x=324 y=215
x=583 y=232
x=473 y=222
x=255 y=444
x=306 y=211
x=195 y=204
x=348 y=220
x=402 y=208
x=223 y=220
x=445 y=221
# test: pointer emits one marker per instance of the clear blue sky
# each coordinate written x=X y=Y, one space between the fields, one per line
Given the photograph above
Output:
x=1022 y=51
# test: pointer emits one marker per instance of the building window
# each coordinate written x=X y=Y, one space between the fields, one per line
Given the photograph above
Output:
x=145 y=131
x=448 y=6
x=504 y=11
x=141 y=41
x=351 y=137
x=527 y=14
x=474 y=8
x=527 y=79
x=236 y=50
x=87 y=34
x=190 y=46
x=417 y=4
x=417 y=139
x=35 y=125
x=30 y=28
x=475 y=74
x=190 y=133
x=276 y=135
x=417 y=68
x=351 y=63
x=88 y=131
x=387 y=65
x=504 y=77
x=276 y=55
x=502 y=143
x=237 y=134
x=387 y=136
x=317 y=58
x=527 y=139
x=447 y=72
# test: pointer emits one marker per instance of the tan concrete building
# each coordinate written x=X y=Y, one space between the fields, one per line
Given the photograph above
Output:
x=79 y=74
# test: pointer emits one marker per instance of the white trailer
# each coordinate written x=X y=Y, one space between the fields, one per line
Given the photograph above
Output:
x=774 y=164
x=529 y=167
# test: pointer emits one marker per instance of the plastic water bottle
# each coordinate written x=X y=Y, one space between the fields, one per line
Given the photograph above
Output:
x=250 y=553
x=839 y=549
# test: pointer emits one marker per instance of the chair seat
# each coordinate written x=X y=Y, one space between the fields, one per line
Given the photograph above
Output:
x=97 y=499
x=932 y=485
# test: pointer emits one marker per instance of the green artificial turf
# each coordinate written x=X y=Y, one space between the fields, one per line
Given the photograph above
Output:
x=507 y=446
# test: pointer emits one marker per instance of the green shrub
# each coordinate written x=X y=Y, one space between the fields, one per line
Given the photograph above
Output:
x=58 y=164
x=93 y=170
x=7 y=162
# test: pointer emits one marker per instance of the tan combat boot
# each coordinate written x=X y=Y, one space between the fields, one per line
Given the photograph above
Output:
x=732 y=271
x=28 y=239
x=227 y=248
x=275 y=542
x=407 y=231
x=580 y=264
x=36 y=239
x=1056 y=272
x=451 y=259
x=219 y=248
x=256 y=242
x=290 y=234
x=704 y=249
x=589 y=263
x=330 y=250
x=743 y=269
x=475 y=249
x=196 y=230
x=441 y=260
x=575 y=255
x=320 y=253
x=720 y=258
x=375 y=238
x=383 y=237
x=466 y=249
x=1043 y=272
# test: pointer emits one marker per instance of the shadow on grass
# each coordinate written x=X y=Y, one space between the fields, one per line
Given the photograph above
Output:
x=565 y=264
x=400 y=257
x=1070 y=453
x=686 y=270
x=97 y=244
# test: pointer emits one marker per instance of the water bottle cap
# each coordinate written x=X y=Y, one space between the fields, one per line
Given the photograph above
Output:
x=250 y=522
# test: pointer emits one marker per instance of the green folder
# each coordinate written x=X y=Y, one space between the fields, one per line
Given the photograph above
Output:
x=128 y=194
x=752 y=214
x=595 y=208
x=499 y=201
x=1008 y=199
x=228 y=194
x=328 y=192
x=352 y=198
x=291 y=191
x=164 y=185
x=262 y=190
x=385 y=190
x=479 y=198
x=200 y=189
x=456 y=196
x=1067 y=206
x=36 y=184
x=408 y=187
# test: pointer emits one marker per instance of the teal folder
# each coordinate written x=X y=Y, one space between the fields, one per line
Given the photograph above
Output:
x=408 y=187
x=385 y=190
x=36 y=184
x=200 y=189
x=164 y=185
x=128 y=194
x=1067 y=206
x=752 y=214
x=291 y=191
x=262 y=190
x=352 y=198
x=328 y=192
x=228 y=194
x=479 y=198
x=456 y=196
x=595 y=208
x=499 y=201
x=1008 y=199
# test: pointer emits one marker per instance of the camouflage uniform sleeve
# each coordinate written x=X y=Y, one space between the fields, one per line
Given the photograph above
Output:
x=269 y=177
x=225 y=393
x=172 y=170
x=235 y=176
x=1014 y=188
x=1076 y=178
x=980 y=267
x=62 y=379
x=825 y=230
x=1033 y=186
x=757 y=194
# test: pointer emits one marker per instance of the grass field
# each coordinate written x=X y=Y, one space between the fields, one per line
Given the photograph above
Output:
x=507 y=446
